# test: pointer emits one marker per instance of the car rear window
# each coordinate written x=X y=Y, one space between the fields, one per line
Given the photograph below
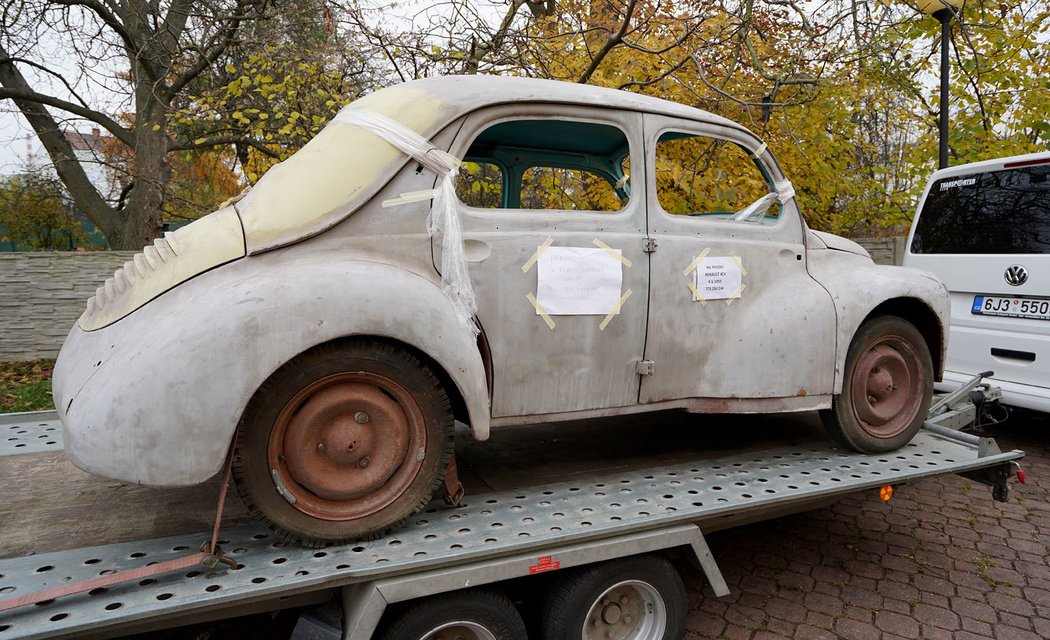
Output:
x=1004 y=211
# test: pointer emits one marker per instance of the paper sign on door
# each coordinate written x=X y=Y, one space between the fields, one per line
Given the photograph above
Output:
x=578 y=281
x=717 y=278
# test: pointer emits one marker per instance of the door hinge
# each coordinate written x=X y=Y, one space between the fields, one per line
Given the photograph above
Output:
x=645 y=367
x=648 y=245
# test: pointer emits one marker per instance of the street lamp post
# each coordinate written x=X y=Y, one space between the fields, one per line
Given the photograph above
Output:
x=942 y=10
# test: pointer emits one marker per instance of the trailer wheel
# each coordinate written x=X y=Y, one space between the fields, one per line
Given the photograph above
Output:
x=343 y=442
x=479 y=614
x=636 y=598
x=887 y=387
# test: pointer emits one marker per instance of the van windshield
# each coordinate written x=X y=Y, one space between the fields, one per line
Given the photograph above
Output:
x=1005 y=211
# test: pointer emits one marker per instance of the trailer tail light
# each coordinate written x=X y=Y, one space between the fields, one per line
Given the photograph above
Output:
x=885 y=493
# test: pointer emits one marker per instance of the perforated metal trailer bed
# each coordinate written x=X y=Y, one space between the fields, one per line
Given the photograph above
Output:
x=494 y=537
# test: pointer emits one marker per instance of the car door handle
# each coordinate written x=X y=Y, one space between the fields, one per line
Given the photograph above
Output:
x=476 y=250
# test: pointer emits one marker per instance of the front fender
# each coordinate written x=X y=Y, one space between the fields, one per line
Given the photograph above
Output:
x=858 y=287
x=155 y=397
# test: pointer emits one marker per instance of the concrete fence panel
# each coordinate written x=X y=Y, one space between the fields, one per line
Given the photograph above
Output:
x=884 y=250
x=43 y=293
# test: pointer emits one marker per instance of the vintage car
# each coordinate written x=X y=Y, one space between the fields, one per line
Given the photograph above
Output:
x=496 y=251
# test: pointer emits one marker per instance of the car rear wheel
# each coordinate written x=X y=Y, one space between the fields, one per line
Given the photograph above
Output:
x=887 y=387
x=343 y=442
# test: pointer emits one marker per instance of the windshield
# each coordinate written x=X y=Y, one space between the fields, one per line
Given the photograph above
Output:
x=1005 y=211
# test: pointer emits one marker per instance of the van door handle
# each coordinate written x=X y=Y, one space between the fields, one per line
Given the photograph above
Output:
x=1027 y=356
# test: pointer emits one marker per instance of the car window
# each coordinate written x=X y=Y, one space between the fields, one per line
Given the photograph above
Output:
x=480 y=184
x=569 y=189
x=1004 y=211
x=562 y=165
x=711 y=178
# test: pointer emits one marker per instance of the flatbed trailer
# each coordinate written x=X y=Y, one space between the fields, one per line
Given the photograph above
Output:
x=496 y=535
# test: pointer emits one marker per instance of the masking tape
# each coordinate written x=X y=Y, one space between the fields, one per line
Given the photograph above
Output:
x=739 y=263
x=615 y=310
x=541 y=311
x=735 y=295
x=696 y=294
x=445 y=157
x=785 y=191
x=613 y=252
x=536 y=256
x=696 y=261
x=621 y=182
x=761 y=149
x=411 y=196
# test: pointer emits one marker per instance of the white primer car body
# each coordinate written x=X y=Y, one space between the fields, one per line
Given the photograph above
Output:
x=308 y=324
x=984 y=230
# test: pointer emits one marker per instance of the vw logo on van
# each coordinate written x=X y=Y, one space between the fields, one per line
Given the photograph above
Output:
x=1016 y=275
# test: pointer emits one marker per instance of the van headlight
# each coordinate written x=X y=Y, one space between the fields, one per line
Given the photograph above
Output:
x=176 y=257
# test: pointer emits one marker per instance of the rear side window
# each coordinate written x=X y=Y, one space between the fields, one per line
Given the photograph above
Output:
x=1004 y=211
x=551 y=165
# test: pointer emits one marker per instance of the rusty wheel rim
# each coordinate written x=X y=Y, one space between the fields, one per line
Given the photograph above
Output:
x=347 y=445
x=888 y=385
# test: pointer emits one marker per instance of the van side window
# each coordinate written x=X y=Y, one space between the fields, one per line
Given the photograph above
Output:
x=1005 y=211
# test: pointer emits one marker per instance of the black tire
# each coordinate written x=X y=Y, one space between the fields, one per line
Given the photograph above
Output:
x=475 y=614
x=343 y=442
x=886 y=390
x=636 y=598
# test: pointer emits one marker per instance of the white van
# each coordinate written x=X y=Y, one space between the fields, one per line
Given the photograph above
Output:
x=984 y=230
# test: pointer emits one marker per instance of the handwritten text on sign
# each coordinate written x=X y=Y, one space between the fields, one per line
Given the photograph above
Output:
x=717 y=278
x=578 y=281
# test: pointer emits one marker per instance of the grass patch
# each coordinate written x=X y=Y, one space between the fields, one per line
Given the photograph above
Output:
x=26 y=386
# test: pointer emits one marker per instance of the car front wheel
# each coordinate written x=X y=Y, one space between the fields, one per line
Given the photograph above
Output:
x=343 y=442
x=886 y=390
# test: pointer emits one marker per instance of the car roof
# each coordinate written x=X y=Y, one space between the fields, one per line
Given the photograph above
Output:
x=469 y=93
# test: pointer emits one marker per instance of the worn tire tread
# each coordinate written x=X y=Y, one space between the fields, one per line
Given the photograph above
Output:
x=839 y=420
x=569 y=600
x=487 y=607
x=433 y=390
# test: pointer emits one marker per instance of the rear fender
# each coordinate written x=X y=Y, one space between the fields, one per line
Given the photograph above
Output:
x=156 y=397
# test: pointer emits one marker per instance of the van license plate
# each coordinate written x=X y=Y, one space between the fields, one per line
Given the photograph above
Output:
x=1011 y=307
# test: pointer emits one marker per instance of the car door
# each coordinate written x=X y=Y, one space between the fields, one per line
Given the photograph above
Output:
x=539 y=186
x=753 y=326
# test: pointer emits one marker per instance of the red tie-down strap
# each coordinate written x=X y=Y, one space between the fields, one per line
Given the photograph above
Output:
x=453 y=488
x=209 y=556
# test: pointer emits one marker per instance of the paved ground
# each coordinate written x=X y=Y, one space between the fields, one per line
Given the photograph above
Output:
x=941 y=560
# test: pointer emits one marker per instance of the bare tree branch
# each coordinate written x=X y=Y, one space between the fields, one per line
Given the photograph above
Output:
x=218 y=141
x=61 y=152
x=610 y=44
x=24 y=94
